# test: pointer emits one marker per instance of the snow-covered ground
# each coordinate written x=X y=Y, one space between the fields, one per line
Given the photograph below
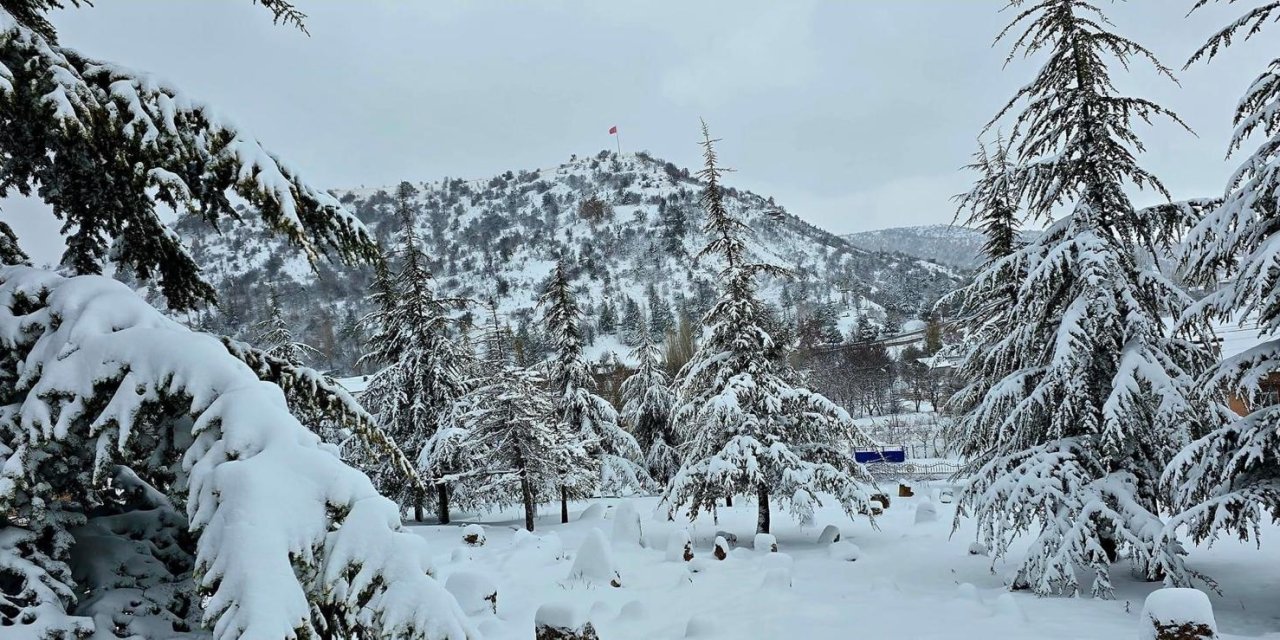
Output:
x=911 y=581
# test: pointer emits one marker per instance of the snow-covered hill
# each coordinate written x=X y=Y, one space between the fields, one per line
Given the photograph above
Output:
x=629 y=225
x=944 y=243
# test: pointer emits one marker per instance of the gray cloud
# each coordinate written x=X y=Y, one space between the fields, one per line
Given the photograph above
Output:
x=856 y=115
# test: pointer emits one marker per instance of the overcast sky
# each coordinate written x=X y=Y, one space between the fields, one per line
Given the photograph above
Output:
x=856 y=115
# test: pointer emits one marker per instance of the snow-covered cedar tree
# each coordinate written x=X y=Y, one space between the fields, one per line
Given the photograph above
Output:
x=1229 y=479
x=422 y=374
x=337 y=417
x=647 y=401
x=518 y=449
x=274 y=336
x=104 y=146
x=747 y=428
x=152 y=485
x=1096 y=391
x=582 y=411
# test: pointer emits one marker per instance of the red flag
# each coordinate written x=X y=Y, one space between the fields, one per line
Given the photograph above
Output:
x=613 y=131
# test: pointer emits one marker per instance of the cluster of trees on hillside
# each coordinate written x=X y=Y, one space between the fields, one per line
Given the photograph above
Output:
x=1092 y=401
x=494 y=425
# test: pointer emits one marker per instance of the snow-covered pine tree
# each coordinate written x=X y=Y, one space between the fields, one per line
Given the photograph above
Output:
x=514 y=448
x=274 y=335
x=747 y=428
x=1229 y=479
x=423 y=374
x=133 y=451
x=647 y=401
x=73 y=128
x=984 y=308
x=582 y=411
x=1097 y=392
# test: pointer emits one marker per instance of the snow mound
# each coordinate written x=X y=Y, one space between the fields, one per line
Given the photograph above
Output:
x=765 y=542
x=1177 y=613
x=700 y=626
x=594 y=561
x=626 y=526
x=830 y=534
x=476 y=593
x=679 y=546
x=926 y=512
x=595 y=511
x=632 y=611
x=978 y=549
x=844 y=551
x=777 y=578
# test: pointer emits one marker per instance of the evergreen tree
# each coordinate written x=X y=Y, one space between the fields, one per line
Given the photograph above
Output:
x=514 y=448
x=423 y=372
x=1227 y=480
x=646 y=410
x=1097 y=393
x=582 y=411
x=748 y=429
x=106 y=147
x=274 y=336
x=661 y=320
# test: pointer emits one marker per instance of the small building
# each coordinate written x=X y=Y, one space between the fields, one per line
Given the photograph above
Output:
x=1233 y=340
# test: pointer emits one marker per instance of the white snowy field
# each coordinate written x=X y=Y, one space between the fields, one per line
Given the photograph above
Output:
x=912 y=581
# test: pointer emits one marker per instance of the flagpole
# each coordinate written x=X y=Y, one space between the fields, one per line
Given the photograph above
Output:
x=619 y=140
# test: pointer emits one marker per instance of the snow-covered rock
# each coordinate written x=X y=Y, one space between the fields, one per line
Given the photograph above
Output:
x=594 y=561
x=721 y=548
x=473 y=535
x=978 y=549
x=475 y=592
x=1177 y=614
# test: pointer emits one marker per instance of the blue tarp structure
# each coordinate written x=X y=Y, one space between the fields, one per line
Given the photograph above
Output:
x=881 y=454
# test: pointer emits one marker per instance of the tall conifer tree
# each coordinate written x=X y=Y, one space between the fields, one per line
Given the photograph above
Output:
x=1097 y=393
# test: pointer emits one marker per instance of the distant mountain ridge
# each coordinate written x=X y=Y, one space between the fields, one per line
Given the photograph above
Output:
x=629 y=226
x=944 y=243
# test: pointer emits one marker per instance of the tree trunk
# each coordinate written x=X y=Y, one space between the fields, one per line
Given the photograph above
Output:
x=728 y=500
x=442 y=506
x=417 y=508
x=762 y=518
x=526 y=491
x=564 y=505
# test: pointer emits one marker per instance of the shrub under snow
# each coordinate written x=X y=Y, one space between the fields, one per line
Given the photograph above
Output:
x=113 y=406
x=594 y=561
x=1177 y=614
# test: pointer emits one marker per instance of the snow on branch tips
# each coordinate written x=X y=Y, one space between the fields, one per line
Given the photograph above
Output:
x=116 y=412
x=79 y=127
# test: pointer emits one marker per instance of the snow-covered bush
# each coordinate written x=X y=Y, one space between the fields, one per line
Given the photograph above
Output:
x=473 y=535
x=475 y=592
x=594 y=561
x=121 y=425
x=562 y=622
x=926 y=512
x=721 y=548
x=1177 y=614
x=679 y=546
